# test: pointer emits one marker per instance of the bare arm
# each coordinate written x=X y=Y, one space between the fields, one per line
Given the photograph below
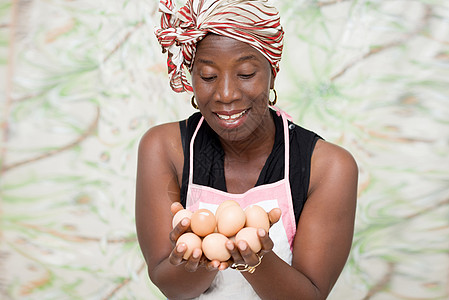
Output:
x=324 y=234
x=160 y=164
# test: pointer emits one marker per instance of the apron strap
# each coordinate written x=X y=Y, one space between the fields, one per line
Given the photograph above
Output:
x=191 y=150
x=286 y=146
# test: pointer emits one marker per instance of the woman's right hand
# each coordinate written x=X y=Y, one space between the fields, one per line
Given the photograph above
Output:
x=176 y=256
x=196 y=259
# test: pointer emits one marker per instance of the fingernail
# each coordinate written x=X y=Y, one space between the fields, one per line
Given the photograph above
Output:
x=242 y=246
x=196 y=254
x=230 y=245
x=184 y=222
x=180 y=247
x=261 y=232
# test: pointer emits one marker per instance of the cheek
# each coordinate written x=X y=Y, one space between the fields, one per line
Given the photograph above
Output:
x=203 y=92
x=195 y=82
x=195 y=79
x=258 y=94
x=204 y=96
x=259 y=87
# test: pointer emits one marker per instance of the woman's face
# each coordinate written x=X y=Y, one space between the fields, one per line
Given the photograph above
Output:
x=231 y=81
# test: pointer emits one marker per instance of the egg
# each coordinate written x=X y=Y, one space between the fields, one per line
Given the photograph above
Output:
x=183 y=213
x=249 y=234
x=223 y=205
x=203 y=222
x=257 y=217
x=231 y=220
x=214 y=247
x=191 y=240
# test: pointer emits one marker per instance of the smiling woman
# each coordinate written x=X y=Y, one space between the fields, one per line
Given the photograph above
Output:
x=238 y=147
x=84 y=80
x=232 y=81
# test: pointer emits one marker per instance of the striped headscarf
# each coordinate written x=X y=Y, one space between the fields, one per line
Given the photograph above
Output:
x=254 y=22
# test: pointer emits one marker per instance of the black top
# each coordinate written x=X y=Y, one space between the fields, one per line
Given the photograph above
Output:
x=209 y=159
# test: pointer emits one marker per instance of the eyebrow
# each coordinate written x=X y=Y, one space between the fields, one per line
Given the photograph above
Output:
x=205 y=61
x=240 y=59
x=247 y=57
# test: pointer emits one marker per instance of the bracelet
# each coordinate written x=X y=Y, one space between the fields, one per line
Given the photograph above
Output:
x=246 y=267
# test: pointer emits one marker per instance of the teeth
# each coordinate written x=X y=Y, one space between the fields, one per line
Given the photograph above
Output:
x=233 y=117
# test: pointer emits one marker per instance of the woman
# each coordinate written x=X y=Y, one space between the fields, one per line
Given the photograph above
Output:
x=238 y=148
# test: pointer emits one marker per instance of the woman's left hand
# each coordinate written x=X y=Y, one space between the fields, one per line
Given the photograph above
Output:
x=241 y=253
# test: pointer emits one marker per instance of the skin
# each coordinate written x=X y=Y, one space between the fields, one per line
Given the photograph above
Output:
x=229 y=76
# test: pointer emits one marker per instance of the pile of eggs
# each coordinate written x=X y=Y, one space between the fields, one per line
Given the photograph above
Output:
x=211 y=232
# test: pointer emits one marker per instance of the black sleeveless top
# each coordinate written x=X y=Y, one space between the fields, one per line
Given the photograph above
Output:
x=209 y=159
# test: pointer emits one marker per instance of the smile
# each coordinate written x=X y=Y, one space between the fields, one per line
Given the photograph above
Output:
x=232 y=117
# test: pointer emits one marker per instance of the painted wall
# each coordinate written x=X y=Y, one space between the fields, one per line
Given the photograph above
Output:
x=83 y=80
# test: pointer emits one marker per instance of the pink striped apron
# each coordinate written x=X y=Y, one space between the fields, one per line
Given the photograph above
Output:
x=230 y=283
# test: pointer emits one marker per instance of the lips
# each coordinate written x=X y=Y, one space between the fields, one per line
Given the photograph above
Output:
x=231 y=119
x=230 y=116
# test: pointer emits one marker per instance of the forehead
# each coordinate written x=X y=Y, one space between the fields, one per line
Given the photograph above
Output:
x=216 y=48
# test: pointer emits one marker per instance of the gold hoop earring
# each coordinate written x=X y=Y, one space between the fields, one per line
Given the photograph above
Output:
x=195 y=106
x=272 y=103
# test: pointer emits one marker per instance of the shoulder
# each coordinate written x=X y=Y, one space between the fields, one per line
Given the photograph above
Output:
x=302 y=137
x=168 y=134
x=327 y=154
x=160 y=136
x=162 y=143
x=332 y=165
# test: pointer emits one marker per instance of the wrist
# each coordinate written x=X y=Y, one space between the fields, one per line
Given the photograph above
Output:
x=246 y=267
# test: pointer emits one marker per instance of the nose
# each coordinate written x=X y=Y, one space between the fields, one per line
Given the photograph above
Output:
x=227 y=90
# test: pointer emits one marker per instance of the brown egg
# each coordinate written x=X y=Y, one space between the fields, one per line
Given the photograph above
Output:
x=214 y=247
x=231 y=220
x=223 y=205
x=203 y=222
x=249 y=234
x=257 y=217
x=183 y=213
x=191 y=240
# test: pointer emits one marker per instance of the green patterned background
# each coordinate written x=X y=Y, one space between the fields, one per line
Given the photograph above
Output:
x=83 y=80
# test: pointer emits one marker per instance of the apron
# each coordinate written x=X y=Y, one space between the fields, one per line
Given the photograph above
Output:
x=230 y=283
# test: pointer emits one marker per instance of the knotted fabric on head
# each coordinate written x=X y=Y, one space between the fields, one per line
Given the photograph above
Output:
x=254 y=22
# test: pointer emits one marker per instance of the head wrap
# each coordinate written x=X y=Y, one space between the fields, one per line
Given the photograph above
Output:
x=254 y=22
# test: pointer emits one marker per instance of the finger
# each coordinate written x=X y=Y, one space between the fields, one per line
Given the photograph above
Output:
x=249 y=257
x=179 y=229
x=212 y=265
x=274 y=215
x=204 y=261
x=176 y=255
x=175 y=207
x=235 y=253
x=194 y=260
x=265 y=241
x=223 y=266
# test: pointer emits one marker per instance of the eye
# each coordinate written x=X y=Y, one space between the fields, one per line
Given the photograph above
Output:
x=247 y=76
x=208 y=78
